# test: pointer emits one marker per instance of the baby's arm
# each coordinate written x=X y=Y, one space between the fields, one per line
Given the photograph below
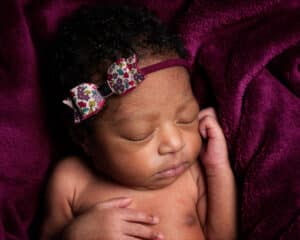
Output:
x=58 y=212
x=220 y=219
x=108 y=220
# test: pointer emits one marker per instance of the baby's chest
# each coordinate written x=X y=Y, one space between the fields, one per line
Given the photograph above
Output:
x=176 y=211
x=175 y=206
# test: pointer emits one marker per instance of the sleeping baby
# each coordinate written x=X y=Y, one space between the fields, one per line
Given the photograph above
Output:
x=155 y=165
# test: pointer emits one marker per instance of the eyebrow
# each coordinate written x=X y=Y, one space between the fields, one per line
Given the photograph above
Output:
x=147 y=116
x=150 y=116
x=186 y=101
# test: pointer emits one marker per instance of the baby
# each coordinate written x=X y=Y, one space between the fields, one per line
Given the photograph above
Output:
x=125 y=78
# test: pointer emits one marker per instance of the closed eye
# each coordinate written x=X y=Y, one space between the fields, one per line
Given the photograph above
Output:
x=139 y=138
x=187 y=121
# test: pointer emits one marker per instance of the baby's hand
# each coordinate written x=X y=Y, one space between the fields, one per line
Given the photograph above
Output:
x=220 y=222
x=112 y=220
x=214 y=151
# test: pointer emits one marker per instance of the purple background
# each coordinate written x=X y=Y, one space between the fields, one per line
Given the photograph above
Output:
x=247 y=53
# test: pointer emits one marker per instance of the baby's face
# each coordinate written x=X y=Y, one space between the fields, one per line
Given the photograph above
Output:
x=147 y=138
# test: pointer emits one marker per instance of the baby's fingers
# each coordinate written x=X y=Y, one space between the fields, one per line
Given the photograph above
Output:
x=210 y=128
x=137 y=224
x=120 y=202
x=142 y=232
x=132 y=215
x=214 y=150
x=207 y=112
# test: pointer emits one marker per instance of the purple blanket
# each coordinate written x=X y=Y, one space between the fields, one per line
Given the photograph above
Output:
x=246 y=61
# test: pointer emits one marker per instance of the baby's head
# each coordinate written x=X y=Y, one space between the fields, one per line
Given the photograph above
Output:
x=144 y=137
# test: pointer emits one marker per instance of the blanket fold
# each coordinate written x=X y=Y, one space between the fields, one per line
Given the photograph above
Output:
x=246 y=62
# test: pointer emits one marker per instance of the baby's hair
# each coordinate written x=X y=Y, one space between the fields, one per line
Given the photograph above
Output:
x=85 y=45
x=94 y=37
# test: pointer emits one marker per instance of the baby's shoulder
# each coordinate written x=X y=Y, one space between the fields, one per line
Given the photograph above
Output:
x=70 y=175
x=67 y=178
x=71 y=166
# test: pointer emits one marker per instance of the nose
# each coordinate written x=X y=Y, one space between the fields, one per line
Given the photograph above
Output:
x=171 y=139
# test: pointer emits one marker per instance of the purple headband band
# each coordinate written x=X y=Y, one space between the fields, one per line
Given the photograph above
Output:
x=165 y=64
x=87 y=99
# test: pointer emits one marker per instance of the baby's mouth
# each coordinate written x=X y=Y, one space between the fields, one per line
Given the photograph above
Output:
x=173 y=171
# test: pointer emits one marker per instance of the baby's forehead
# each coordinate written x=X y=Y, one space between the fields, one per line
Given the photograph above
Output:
x=154 y=96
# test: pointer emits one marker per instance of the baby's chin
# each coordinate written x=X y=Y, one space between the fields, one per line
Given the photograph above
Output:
x=154 y=185
x=162 y=179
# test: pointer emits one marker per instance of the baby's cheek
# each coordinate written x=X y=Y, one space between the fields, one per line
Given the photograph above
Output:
x=199 y=144
x=195 y=144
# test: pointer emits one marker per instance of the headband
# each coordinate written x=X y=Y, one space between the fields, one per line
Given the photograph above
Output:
x=87 y=99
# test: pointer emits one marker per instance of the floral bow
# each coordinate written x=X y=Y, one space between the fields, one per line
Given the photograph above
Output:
x=87 y=99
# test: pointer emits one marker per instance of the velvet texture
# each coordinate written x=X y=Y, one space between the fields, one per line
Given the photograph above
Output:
x=246 y=61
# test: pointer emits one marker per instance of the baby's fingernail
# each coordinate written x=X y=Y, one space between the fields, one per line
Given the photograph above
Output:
x=159 y=236
x=203 y=133
x=155 y=219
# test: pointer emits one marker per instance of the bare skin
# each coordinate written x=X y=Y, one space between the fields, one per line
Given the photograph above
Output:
x=153 y=187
